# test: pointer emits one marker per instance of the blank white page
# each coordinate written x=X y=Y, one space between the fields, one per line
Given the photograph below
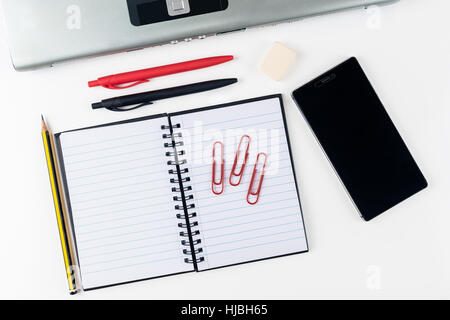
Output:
x=124 y=219
x=232 y=231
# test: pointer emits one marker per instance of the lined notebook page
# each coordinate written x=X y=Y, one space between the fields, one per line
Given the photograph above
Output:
x=124 y=218
x=232 y=231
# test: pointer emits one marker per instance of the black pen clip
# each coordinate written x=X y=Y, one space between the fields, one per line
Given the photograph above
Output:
x=123 y=109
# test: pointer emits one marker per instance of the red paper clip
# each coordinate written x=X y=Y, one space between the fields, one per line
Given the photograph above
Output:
x=221 y=182
x=240 y=174
x=261 y=179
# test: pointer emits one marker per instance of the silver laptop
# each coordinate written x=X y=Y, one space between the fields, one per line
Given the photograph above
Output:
x=45 y=32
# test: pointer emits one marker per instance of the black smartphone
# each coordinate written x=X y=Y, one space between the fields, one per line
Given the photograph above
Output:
x=360 y=139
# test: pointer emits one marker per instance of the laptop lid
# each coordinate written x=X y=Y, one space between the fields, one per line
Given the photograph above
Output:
x=42 y=33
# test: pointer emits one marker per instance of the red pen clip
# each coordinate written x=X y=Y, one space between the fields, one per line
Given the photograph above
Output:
x=240 y=174
x=221 y=182
x=256 y=194
x=117 y=87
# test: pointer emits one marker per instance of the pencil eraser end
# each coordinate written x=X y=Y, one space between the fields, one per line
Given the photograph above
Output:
x=278 y=61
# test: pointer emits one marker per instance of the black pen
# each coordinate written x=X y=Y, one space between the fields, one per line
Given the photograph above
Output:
x=142 y=99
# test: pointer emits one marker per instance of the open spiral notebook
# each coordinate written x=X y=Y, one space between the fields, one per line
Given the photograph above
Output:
x=139 y=201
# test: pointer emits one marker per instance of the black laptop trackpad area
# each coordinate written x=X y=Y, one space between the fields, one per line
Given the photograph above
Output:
x=144 y=12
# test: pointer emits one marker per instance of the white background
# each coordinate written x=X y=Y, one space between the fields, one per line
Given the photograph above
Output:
x=405 y=50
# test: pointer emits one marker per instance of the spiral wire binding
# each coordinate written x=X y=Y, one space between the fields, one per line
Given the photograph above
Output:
x=180 y=181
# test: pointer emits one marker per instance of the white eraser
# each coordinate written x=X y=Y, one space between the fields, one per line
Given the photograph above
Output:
x=278 y=61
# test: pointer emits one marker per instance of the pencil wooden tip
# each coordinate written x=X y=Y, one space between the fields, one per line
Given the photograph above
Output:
x=44 y=125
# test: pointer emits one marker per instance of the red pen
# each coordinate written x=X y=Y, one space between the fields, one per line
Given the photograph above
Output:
x=135 y=78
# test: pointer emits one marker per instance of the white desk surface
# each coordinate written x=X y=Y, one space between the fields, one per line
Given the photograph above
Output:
x=404 y=253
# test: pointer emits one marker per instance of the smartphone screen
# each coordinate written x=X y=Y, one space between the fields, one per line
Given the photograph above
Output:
x=359 y=138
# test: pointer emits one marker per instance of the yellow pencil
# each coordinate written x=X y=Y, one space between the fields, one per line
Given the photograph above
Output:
x=57 y=199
